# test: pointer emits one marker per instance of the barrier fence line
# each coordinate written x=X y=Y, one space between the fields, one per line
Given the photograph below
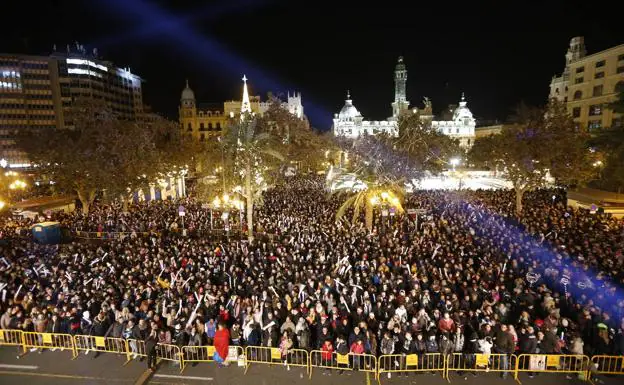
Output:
x=609 y=365
x=51 y=341
x=552 y=363
x=495 y=362
x=580 y=365
x=11 y=337
x=342 y=362
x=100 y=344
x=406 y=363
x=206 y=354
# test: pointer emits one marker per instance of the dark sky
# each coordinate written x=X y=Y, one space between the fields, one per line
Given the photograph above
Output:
x=498 y=53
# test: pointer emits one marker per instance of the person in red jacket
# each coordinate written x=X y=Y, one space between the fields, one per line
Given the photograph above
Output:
x=357 y=348
x=327 y=355
x=222 y=345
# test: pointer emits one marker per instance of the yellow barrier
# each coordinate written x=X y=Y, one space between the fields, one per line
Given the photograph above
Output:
x=204 y=354
x=171 y=353
x=51 y=341
x=610 y=365
x=11 y=337
x=336 y=361
x=552 y=363
x=100 y=344
x=496 y=362
x=275 y=356
x=134 y=349
x=401 y=363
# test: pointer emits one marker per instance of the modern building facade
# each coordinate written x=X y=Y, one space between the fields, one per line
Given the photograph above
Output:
x=350 y=123
x=36 y=92
x=204 y=120
x=589 y=83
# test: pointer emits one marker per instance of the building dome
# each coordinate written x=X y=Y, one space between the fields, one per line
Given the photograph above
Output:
x=462 y=112
x=349 y=111
x=187 y=93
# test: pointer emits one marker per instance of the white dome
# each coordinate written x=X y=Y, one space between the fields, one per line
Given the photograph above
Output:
x=348 y=111
x=187 y=93
x=462 y=112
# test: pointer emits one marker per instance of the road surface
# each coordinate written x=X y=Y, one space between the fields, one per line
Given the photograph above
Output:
x=58 y=368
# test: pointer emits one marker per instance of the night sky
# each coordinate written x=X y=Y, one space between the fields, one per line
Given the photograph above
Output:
x=498 y=53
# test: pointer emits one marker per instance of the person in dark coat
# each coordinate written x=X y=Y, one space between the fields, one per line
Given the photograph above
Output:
x=150 y=349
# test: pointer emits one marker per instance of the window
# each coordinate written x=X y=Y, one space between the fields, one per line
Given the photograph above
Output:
x=617 y=123
x=594 y=125
x=457 y=130
x=621 y=57
x=580 y=69
x=619 y=87
x=201 y=127
x=597 y=90
x=578 y=95
x=578 y=80
x=600 y=64
x=202 y=137
x=595 y=109
x=218 y=126
x=576 y=112
x=620 y=70
x=210 y=126
x=599 y=75
x=190 y=127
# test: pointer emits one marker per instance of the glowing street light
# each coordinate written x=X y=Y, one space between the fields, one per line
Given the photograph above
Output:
x=384 y=195
x=454 y=162
x=2 y=204
x=3 y=163
x=374 y=200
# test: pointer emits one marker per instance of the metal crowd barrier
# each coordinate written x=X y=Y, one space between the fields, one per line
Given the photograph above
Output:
x=401 y=363
x=167 y=352
x=100 y=344
x=495 y=362
x=50 y=341
x=336 y=361
x=107 y=235
x=274 y=356
x=552 y=363
x=607 y=365
x=11 y=337
x=136 y=349
x=194 y=354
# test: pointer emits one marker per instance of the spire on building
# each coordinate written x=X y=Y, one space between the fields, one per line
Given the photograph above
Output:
x=348 y=95
x=246 y=104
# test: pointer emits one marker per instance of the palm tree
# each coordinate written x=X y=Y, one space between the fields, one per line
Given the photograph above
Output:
x=378 y=192
x=252 y=151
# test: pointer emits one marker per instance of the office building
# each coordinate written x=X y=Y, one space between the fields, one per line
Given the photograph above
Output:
x=36 y=92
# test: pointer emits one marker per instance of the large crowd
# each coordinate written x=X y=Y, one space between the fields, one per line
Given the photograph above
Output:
x=468 y=276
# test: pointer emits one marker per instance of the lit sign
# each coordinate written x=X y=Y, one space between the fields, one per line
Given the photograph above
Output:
x=87 y=62
x=80 y=71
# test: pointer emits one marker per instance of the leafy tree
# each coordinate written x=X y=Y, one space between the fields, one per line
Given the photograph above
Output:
x=299 y=142
x=544 y=142
x=100 y=152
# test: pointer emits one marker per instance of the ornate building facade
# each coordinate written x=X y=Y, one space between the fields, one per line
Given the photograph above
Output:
x=209 y=119
x=350 y=123
x=589 y=84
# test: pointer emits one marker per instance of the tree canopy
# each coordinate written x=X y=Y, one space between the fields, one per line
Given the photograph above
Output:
x=101 y=152
x=545 y=142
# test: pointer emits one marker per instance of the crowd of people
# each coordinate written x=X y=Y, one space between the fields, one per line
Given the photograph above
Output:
x=468 y=276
